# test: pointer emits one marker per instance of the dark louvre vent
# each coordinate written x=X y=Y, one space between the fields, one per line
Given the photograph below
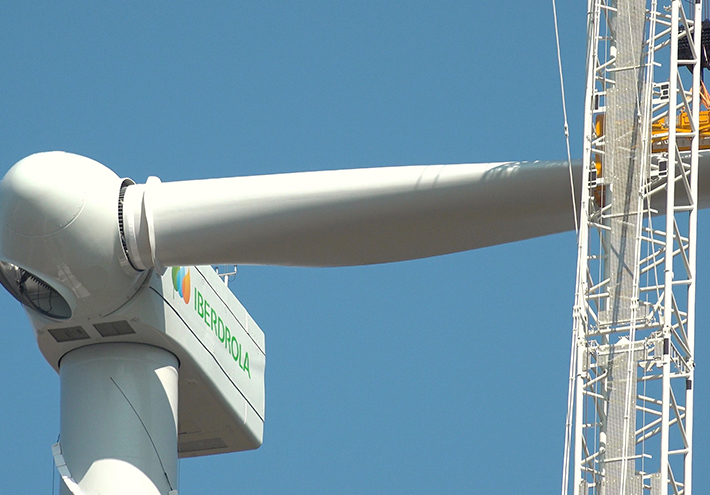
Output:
x=68 y=334
x=114 y=328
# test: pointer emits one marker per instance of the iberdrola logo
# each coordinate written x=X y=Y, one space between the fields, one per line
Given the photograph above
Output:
x=181 y=282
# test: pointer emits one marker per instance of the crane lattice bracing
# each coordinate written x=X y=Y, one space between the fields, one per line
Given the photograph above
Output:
x=630 y=414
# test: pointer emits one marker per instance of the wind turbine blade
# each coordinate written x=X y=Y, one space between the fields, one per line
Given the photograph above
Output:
x=346 y=217
x=351 y=217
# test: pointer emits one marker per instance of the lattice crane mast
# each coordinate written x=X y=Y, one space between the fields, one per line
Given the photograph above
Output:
x=630 y=410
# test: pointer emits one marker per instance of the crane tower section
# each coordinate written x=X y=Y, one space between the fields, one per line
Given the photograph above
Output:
x=630 y=414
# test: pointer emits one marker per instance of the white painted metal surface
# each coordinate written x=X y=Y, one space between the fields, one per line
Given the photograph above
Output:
x=119 y=408
x=630 y=417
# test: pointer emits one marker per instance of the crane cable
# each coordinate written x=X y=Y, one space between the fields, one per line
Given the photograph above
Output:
x=573 y=356
x=564 y=112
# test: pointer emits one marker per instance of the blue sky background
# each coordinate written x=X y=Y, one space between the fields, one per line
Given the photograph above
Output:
x=445 y=375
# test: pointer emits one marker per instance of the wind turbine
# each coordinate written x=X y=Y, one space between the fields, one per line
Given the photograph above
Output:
x=118 y=164
x=87 y=254
x=104 y=269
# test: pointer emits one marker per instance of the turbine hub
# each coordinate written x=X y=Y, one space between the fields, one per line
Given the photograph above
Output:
x=59 y=237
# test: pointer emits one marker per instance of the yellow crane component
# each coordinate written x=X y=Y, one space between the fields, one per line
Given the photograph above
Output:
x=659 y=135
x=659 y=132
x=659 y=141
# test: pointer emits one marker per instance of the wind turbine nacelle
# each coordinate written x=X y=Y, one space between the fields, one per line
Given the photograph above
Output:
x=63 y=256
x=190 y=312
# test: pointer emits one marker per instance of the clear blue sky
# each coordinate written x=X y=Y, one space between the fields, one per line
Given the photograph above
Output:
x=446 y=375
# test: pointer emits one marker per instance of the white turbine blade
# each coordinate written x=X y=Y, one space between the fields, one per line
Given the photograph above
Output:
x=352 y=217
x=345 y=217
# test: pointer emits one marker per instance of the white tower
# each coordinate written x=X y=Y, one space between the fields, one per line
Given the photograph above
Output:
x=630 y=411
